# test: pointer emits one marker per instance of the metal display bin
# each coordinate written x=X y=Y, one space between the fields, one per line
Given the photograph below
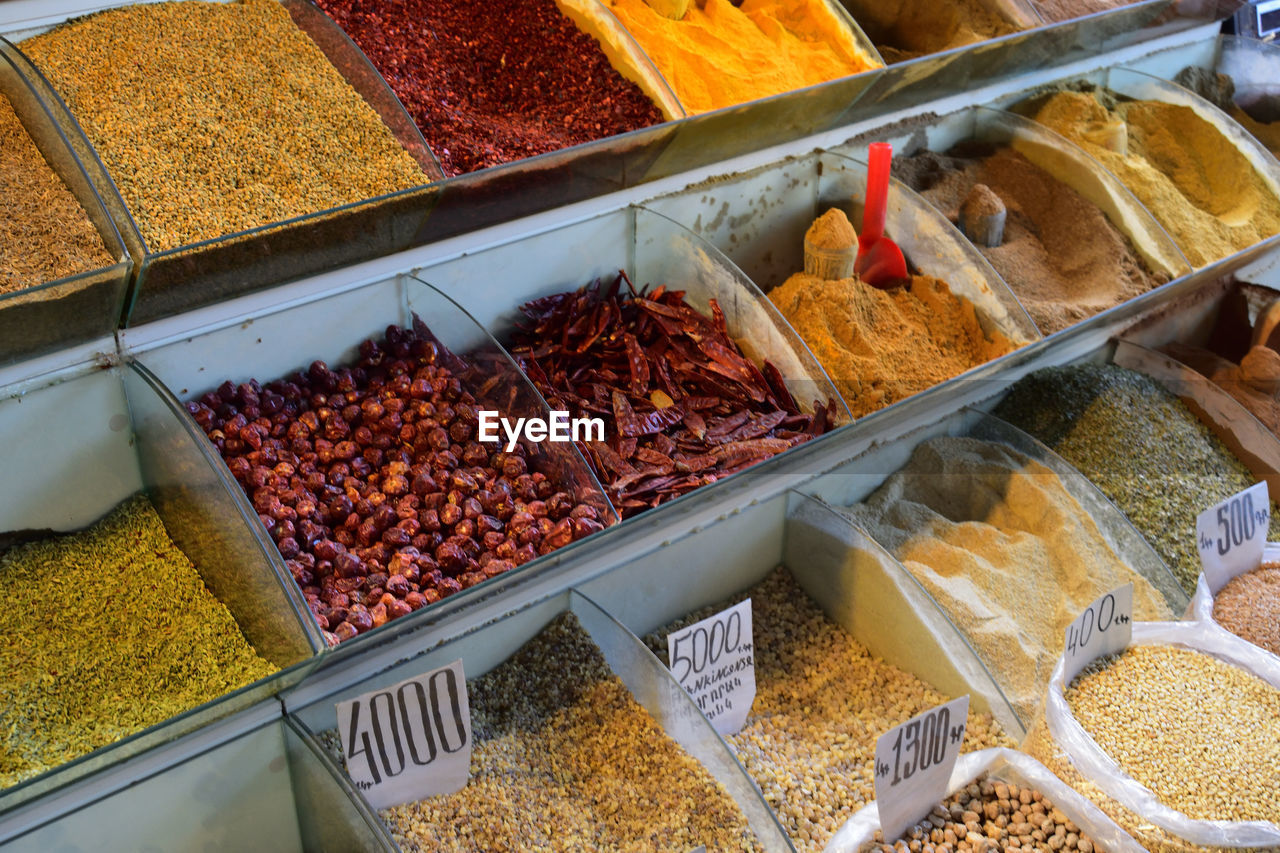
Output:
x=78 y=308
x=79 y=445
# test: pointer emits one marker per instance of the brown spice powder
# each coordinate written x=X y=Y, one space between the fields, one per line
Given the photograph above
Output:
x=831 y=230
x=1193 y=179
x=882 y=346
x=215 y=118
x=1061 y=256
x=1249 y=606
x=45 y=233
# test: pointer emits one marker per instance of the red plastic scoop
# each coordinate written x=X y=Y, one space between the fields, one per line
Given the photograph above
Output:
x=880 y=262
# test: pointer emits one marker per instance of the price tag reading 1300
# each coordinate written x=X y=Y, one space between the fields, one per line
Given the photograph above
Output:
x=1231 y=536
x=410 y=740
x=714 y=661
x=914 y=762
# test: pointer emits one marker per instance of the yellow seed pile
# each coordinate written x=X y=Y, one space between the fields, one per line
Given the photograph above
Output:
x=214 y=118
x=566 y=759
x=821 y=702
x=1202 y=734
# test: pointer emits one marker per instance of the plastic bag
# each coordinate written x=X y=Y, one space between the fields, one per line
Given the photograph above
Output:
x=1101 y=771
x=1201 y=607
x=1005 y=765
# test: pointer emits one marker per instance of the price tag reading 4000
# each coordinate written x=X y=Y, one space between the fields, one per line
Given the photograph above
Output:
x=914 y=762
x=1232 y=535
x=410 y=740
x=1105 y=627
x=714 y=661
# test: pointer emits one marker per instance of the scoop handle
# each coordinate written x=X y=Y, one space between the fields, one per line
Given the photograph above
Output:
x=879 y=158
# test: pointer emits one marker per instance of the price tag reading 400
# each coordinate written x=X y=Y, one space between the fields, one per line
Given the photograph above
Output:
x=714 y=661
x=1232 y=535
x=410 y=740
x=914 y=762
x=1105 y=627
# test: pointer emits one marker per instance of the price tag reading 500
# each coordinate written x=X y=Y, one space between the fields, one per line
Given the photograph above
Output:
x=714 y=662
x=410 y=740
x=914 y=762
x=1232 y=535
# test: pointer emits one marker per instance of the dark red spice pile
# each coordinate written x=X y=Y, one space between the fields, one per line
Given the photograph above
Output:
x=491 y=82
x=374 y=486
x=682 y=406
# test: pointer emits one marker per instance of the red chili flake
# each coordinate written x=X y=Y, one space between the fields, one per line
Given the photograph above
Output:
x=495 y=81
x=683 y=407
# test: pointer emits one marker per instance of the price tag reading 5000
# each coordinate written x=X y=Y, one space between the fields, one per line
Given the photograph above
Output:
x=1105 y=627
x=1232 y=535
x=410 y=740
x=914 y=762
x=714 y=662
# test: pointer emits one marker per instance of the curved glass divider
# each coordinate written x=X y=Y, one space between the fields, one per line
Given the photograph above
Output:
x=78 y=308
x=1247 y=439
x=77 y=449
x=1114 y=525
x=624 y=54
x=284 y=339
x=930 y=242
x=667 y=253
x=484 y=647
x=862 y=588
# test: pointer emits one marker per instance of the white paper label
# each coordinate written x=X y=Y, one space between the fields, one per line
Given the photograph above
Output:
x=914 y=763
x=410 y=740
x=1102 y=628
x=1231 y=535
x=714 y=661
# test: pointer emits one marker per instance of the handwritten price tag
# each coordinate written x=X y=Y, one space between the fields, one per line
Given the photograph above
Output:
x=410 y=740
x=714 y=662
x=914 y=762
x=1231 y=535
x=1103 y=628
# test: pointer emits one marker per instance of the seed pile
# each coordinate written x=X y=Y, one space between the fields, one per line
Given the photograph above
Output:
x=214 y=118
x=821 y=702
x=1202 y=734
x=566 y=759
x=373 y=483
x=992 y=815
x=1249 y=606
x=108 y=631
x=682 y=406
x=44 y=232
x=1140 y=445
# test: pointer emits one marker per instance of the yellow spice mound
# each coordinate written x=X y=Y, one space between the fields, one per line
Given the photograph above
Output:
x=720 y=55
x=882 y=346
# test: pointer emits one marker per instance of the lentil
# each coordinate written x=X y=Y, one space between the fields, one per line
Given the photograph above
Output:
x=1249 y=606
x=565 y=759
x=496 y=81
x=45 y=232
x=374 y=486
x=1007 y=552
x=988 y=814
x=214 y=118
x=108 y=631
x=682 y=406
x=1203 y=735
x=821 y=702
x=1140 y=445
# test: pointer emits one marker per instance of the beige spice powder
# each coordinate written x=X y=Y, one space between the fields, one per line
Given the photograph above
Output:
x=45 y=234
x=214 y=118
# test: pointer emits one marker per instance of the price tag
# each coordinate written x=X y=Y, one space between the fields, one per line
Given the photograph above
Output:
x=410 y=740
x=913 y=764
x=714 y=661
x=1103 y=628
x=1231 y=535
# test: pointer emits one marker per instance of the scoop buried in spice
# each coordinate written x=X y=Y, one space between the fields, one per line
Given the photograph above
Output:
x=880 y=262
x=982 y=217
x=673 y=9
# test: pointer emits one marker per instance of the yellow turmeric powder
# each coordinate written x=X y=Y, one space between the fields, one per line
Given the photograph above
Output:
x=720 y=55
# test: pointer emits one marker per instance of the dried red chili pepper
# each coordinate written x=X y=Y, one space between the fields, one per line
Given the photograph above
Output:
x=682 y=405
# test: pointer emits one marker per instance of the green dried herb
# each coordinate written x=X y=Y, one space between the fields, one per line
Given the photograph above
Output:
x=1140 y=445
x=108 y=631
